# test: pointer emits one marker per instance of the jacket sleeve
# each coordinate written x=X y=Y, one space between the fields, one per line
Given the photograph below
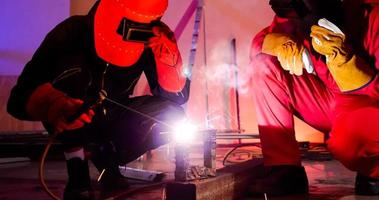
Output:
x=180 y=97
x=371 y=45
x=39 y=70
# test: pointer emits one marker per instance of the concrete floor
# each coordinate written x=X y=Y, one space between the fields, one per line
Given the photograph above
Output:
x=329 y=180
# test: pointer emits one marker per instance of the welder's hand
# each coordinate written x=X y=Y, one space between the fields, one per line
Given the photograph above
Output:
x=348 y=70
x=167 y=58
x=64 y=107
x=330 y=44
x=51 y=105
x=287 y=50
x=164 y=45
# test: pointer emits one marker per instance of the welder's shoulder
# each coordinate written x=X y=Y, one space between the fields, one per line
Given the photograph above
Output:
x=374 y=14
x=69 y=31
x=256 y=44
x=73 y=23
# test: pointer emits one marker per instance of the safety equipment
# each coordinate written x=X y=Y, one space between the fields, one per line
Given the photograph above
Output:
x=110 y=14
x=168 y=60
x=289 y=8
x=331 y=9
x=135 y=32
x=366 y=186
x=54 y=107
x=79 y=180
x=349 y=71
x=144 y=11
x=286 y=49
x=371 y=1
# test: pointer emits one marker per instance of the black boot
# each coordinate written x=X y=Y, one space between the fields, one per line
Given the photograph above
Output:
x=281 y=180
x=79 y=182
x=105 y=160
x=366 y=186
x=112 y=182
x=112 y=179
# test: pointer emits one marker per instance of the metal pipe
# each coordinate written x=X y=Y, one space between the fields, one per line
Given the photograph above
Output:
x=210 y=150
x=235 y=68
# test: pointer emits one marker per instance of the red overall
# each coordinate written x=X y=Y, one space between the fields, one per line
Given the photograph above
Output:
x=352 y=118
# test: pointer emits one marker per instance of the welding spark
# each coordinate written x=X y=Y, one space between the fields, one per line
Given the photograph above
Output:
x=184 y=132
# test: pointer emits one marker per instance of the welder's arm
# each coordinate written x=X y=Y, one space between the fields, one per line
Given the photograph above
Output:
x=286 y=49
x=172 y=83
x=50 y=105
x=33 y=97
x=349 y=71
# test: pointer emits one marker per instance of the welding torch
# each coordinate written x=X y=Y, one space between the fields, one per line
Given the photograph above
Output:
x=88 y=104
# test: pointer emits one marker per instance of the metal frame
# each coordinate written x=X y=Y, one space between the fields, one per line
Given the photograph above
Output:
x=184 y=171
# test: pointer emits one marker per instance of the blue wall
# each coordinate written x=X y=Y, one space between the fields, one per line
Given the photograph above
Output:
x=23 y=26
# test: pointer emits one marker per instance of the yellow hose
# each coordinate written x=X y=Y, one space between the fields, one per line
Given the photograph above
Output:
x=53 y=196
x=42 y=169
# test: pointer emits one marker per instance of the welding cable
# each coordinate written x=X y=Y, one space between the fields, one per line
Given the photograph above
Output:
x=53 y=196
x=235 y=148
x=42 y=168
x=52 y=138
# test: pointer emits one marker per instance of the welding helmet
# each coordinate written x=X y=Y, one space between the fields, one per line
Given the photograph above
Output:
x=308 y=9
x=122 y=27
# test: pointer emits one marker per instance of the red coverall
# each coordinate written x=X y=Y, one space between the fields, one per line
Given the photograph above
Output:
x=351 y=118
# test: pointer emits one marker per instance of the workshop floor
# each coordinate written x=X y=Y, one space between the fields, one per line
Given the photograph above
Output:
x=328 y=179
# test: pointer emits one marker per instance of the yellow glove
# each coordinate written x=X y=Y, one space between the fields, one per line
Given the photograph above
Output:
x=288 y=52
x=348 y=70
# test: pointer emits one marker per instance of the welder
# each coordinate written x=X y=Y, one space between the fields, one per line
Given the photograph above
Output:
x=104 y=52
x=338 y=96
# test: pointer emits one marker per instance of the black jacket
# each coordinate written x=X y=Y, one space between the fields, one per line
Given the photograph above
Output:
x=67 y=59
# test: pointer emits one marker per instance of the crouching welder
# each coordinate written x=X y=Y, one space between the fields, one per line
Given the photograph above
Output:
x=338 y=95
x=104 y=52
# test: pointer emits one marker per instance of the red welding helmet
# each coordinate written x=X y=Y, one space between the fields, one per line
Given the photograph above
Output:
x=303 y=9
x=371 y=1
x=109 y=44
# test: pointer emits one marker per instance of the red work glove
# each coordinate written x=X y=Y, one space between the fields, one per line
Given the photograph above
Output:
x=51 y=105
x=168 y=60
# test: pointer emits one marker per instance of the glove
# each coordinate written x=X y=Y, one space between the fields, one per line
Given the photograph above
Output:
x=348 y=70
x=288 y=52
x=167 y=58
x=51 y=105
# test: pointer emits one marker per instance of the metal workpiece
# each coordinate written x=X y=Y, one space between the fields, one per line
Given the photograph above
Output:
x=182 y=163
x=210 y=150
x=235 y=136
x=184 y=171
x=231 y=183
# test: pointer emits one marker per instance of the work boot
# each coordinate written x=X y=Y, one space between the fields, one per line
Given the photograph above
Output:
x=79 y=182
x=366 y=186
x=112 y=182
x=281 y=180
x=110 y=178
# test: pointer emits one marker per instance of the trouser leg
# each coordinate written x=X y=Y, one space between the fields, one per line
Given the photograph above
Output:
x=79 y=182
x=278 y=97
x=354 y=138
